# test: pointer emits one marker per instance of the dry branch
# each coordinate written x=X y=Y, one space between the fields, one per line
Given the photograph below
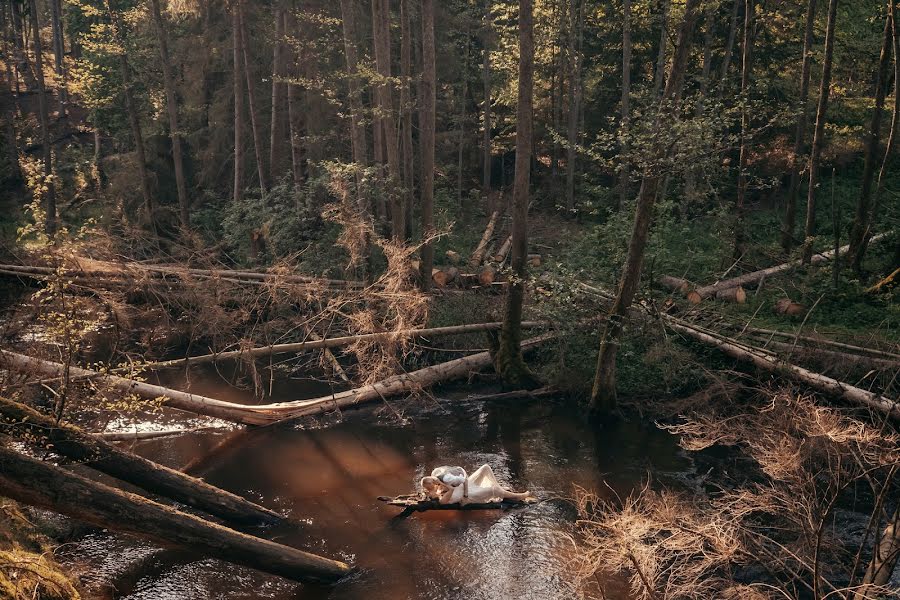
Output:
x=43 y=485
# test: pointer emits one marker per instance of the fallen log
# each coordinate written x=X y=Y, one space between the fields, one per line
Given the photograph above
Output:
x=734 y=294
x=825 y=342
x=96 y=453
x=140 y=436
x=788 y=307
x=756 y=276
x=481 y=249
x=843 y=357
x=766 y=361
x=40 y=484
x=418 y=503
x=888 y=282
x=444 y=276
x=453 y=256
x=500 y=256
x=336 y=343
x=487 y=275
x=675 y=284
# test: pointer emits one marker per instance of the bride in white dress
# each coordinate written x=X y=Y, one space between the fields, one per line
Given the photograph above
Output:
x=452 y=485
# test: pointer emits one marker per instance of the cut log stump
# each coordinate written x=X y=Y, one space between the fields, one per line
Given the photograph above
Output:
x=734 y=294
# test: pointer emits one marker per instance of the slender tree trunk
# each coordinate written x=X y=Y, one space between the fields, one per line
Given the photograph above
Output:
x=891 y=142
x=59 y=54
x=576 y=16
x=134 y=120
x=427 y=92
x=660 y=74
x=729 y=45
x=279 y=96
x=790 y=209
x=357 y=127
x=746 y=72
x=691 y=174
x=863 y=205
x=556 y=84
x=44 y=116
x=386 y=122
x=508 y=358
x=20 y=35
x=172 y=107
x=238 y=92
x=461 y=129
x=486 y=109
x=603 y=395
x=819 y=134
x=406 y=116
x=295 y=120
x=626 y=101
x=251 y=106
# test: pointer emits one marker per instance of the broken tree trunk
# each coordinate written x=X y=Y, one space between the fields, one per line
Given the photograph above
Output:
x=767 y=361
x=40 y=484
x=504 y=250
x=335 y=343
x=756 y=276
x=481 y=249
x=883 y=563
x=77 y=445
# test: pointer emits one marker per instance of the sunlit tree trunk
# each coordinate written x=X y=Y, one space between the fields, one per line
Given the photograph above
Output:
x=172 y=108
x=295 y=120
x=357 y=126
x=279 y=94
x=238 y=92
x=388 y=124
x=746 y=71
x=406 y=114
x=508 y=357
x=626 y=100
x=729 y=45
x=790 y=209
x=44 y=116
x=819 y=134
x=576 y=16
x=255 y=128
x=427 y=93
x=863 y=205
x=486 y=108
x=603 y=395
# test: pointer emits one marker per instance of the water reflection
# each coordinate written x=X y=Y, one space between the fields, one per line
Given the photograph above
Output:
x=328 y=480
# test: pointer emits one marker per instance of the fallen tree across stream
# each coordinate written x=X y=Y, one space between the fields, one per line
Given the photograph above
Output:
x=266 y=414
x=96 y=453
x=43 y=485
x=750 y=279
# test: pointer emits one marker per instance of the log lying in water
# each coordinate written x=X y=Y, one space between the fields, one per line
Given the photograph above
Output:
x=40 y=484
x=77 y=445
x=756 y=276
x=418 y=503
x=337 y=343
x=140 y=436
x=265 y=414
x=481 y=249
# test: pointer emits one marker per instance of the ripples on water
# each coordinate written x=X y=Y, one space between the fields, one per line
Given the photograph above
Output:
x=328 y=479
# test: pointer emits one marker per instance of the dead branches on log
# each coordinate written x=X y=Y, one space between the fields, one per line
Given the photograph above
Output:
x=36 y=483
x=77 y=445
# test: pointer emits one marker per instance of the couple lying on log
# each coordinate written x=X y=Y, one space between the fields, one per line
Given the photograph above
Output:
x=452 y=485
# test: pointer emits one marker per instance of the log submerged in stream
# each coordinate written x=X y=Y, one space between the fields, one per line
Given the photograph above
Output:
x=96 y=453
x=43 y=485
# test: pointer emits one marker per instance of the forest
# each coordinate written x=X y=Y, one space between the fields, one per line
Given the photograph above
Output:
x=621 y=275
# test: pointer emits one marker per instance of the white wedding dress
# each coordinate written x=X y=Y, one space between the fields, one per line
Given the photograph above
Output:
x=480 y=487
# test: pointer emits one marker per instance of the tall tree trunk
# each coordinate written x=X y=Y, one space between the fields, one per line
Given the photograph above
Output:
x=863 y=205
x=508 y=358
x=819 y=134
x=238 y=93
x=427 y=93
x=729 y=45
x=461 y=128
x=59 y=54
x=295 y=120
x=660 y=74
x=692 y=172
x=134 y=120
x=486 y=108
x=790 y=209
x=172 y=107
x=891 y=141
x=20 y=28
x=357 y=126
x=255 y=129
x=603 y=395
x=626 y=100
x=279 y=95
x=576 y=16
x=381 y=28
x=746 y=72
x=44 y=116
x=406 y=116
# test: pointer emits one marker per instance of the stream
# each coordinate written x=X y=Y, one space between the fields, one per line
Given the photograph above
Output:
x=327 y=477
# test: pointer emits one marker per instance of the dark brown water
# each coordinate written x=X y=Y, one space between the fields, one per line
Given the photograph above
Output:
x=328 y=478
